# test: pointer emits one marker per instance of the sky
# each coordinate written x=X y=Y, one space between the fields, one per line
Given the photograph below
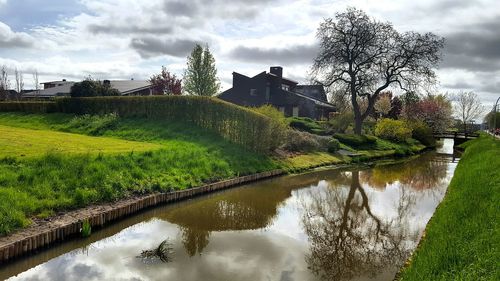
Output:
x=111 y=39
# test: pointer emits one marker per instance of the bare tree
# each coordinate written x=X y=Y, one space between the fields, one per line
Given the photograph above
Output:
x=19 y=82
x=35 y=81
x=363 y=57
x=467 y=107
x=4 y=83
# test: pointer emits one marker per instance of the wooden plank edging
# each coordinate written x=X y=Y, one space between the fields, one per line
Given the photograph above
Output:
x=68 y=225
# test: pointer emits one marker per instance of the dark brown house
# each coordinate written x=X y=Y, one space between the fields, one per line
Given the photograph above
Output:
x=285 y=94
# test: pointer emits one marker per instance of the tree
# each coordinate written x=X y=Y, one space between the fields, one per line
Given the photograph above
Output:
x=364 y=57
x=200 y=77
x=92 y=88
x=165 y=83
x=19 y=82
x=396 y=108
x=4 y=83
x=36 y=82
x=467 y=107
x=435 y=111
x=490 y=119
x=410 y=101
x=383 y=104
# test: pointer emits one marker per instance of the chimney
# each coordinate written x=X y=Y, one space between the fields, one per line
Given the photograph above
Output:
x=277 y=70
x=64 y=80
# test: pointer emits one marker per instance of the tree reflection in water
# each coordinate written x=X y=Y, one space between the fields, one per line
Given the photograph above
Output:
x=346 y=239
x=254 y=207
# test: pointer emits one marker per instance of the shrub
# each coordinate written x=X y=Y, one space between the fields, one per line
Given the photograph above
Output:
x=356 y=140
x=423 y=134
x=340 y=122
x=280 y=124
x=333 y=145
x=303 y=141
x=394 y=130
x=94 y=124
x=92 y=88
x=308 y=125
x=235 y=123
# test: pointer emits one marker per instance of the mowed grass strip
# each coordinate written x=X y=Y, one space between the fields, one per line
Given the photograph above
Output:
x=462 y=239
x=20 y=142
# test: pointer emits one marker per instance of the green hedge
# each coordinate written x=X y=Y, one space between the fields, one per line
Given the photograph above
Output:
x=29 y=106
x=234 y=123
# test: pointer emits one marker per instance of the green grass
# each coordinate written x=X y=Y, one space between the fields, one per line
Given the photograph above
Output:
x=20 y=142
x=309 y=160
x=462 y=240
x=182 y=156
x=72 y=162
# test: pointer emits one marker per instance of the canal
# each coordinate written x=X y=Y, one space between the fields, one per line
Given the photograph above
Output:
x=330 y=224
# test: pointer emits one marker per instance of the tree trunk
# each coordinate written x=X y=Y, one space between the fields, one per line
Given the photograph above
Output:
x=358 y=124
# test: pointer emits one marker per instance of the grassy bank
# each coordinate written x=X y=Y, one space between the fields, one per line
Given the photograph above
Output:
x=55 y=162
x=58 y=176
x=462 y=240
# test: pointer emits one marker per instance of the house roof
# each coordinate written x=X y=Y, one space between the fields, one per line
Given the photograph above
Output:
x=316 y=101
x=125 y=87
x=283 y=78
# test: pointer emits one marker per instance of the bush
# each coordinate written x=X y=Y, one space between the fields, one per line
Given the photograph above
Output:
x=92 y=88
x=94 y=124
x=280 y=123
x=302 y=141
x=340 y=122
x=308 y=125
x=423 y=134
x=394 y=130
x=356 y=140
x=235 y=123
x=333 y=145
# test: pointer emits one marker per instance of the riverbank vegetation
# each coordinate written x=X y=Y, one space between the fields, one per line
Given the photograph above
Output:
x=55 y=162
x=463 y=237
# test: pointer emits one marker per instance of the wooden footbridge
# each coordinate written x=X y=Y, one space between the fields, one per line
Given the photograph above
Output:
x=458 y=137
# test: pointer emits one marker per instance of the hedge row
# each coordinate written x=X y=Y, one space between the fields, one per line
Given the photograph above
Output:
x=29 y=106
x=234 y=123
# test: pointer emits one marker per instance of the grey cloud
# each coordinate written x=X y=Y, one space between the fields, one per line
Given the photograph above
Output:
x=201 y=10
x=150 y=46
x=477 y=49
x=126 y=29
x=459 y=85
x=182 y=8
x=11 y=39
x=296 y=54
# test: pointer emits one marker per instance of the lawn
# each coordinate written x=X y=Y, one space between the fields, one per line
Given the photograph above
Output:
x=462 y=240
x=178 y=156
x=20 y=142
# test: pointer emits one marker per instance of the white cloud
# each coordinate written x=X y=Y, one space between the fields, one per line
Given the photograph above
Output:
x=123 y=39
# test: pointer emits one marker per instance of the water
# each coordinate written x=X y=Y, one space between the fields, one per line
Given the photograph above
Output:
x=351 y=224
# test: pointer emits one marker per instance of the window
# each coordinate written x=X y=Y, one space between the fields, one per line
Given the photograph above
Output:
x=253 y=92
x=295 y=111
x=268 y=93
x=281 y=109
x=285 y=87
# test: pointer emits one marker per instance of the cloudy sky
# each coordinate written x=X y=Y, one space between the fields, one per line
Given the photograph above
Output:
x=111 y=39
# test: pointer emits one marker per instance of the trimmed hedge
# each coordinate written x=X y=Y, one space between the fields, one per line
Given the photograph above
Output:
x=29 y=106
x=236 y=124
